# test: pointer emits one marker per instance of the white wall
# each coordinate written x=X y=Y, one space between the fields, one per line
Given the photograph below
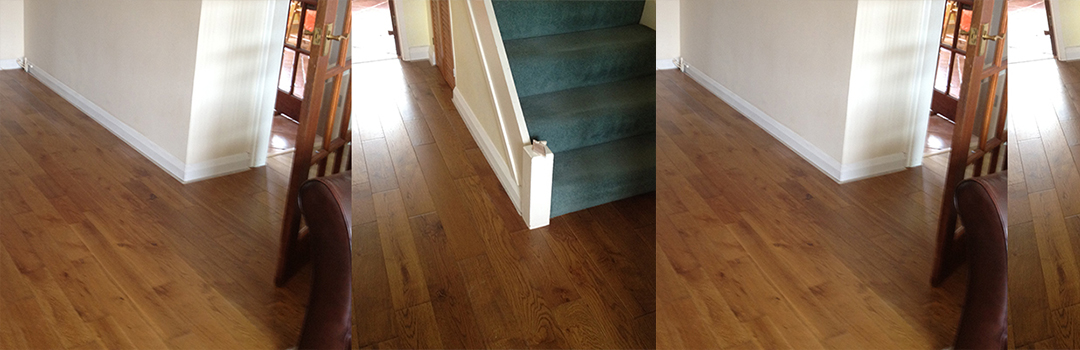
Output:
x=471 y=80
x=229 y=68
x=186 y=83
x=790 y=59
x=1067 y=28
x=839 y=82
x=133 y=59
x=667 y=29
x=889 y=37
x=11 y=30
x=414 y=28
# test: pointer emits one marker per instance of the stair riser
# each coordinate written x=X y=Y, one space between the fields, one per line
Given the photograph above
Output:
x=603 y=173
x=526 y=19
x=540 y=74
x=562 y=136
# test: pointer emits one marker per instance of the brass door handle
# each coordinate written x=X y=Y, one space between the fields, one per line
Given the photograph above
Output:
x=337 y=37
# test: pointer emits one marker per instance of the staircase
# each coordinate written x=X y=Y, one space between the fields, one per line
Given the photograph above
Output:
x=586 y=78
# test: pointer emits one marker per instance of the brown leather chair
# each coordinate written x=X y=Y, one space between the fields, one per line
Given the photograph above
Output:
x=326 y=204
x=982 y=203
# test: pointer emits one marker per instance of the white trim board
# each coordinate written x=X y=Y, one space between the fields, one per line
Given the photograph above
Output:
x=668 y=63
x=1069 y=53
x=417 y=53
x=488 y=148
x=163 y=159
x=818 y=158
x=10 y=64
x=217 y=167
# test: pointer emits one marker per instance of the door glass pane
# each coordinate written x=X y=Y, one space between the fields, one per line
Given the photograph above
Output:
x=324 y=110
x=339 y=29
x=957 y=76
x=949 y=27
x=301 y=76
x=941 y=78
x=999 y=96
x=295 y=9
x=309 y=27
x=285 y=76
x=965 y=26
x=342 y=98
x=995 y=28
x=980 y=111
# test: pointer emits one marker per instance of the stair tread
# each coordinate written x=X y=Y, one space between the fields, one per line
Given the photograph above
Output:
x=603 y=173
x=565 y=61
x=590 y=115
x=525 y=18
x=634 y=34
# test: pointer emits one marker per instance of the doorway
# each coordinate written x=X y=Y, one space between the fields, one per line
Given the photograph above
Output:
x=1030 y=37
x=951 y=55
x=948 y=77
x=292 y=77
x=375 y=30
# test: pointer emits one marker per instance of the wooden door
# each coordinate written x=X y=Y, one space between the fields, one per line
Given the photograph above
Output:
x=443 y=39
x=323 y=136
x=979 y=138
x=295 y=57
x=952 y=52
x=394 y=29
x=1050 y=26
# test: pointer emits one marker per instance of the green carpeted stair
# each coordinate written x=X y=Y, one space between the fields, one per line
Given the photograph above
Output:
x=586 y=78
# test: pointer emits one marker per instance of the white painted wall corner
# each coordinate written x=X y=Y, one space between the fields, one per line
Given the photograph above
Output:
x=805 y=149
x=163 y=159
x=841 y=173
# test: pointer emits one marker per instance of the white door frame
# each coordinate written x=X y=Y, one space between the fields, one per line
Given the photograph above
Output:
x=1059 y=45
x=268 y=85
x=934 y=13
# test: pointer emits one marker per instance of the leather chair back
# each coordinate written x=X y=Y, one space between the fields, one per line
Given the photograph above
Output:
x=326 y=204
x=982 y=203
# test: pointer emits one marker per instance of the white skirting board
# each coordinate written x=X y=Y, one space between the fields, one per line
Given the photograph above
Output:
x=841 y=173
x=417 y=53
x=1069 y=53
x=873 y=167
x=166 y=161
x=667 y=63
x=487 y=147
x=10 y=64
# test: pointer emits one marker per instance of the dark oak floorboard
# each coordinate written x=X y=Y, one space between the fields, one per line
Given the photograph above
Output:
x=759 y=249
x=444 y=260
x=100 y=248
x=1044 y=205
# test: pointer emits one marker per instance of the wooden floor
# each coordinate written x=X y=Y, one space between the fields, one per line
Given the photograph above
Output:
x=100 y=248
x=443 y=260
x=1044 y=204
x=759 y=249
